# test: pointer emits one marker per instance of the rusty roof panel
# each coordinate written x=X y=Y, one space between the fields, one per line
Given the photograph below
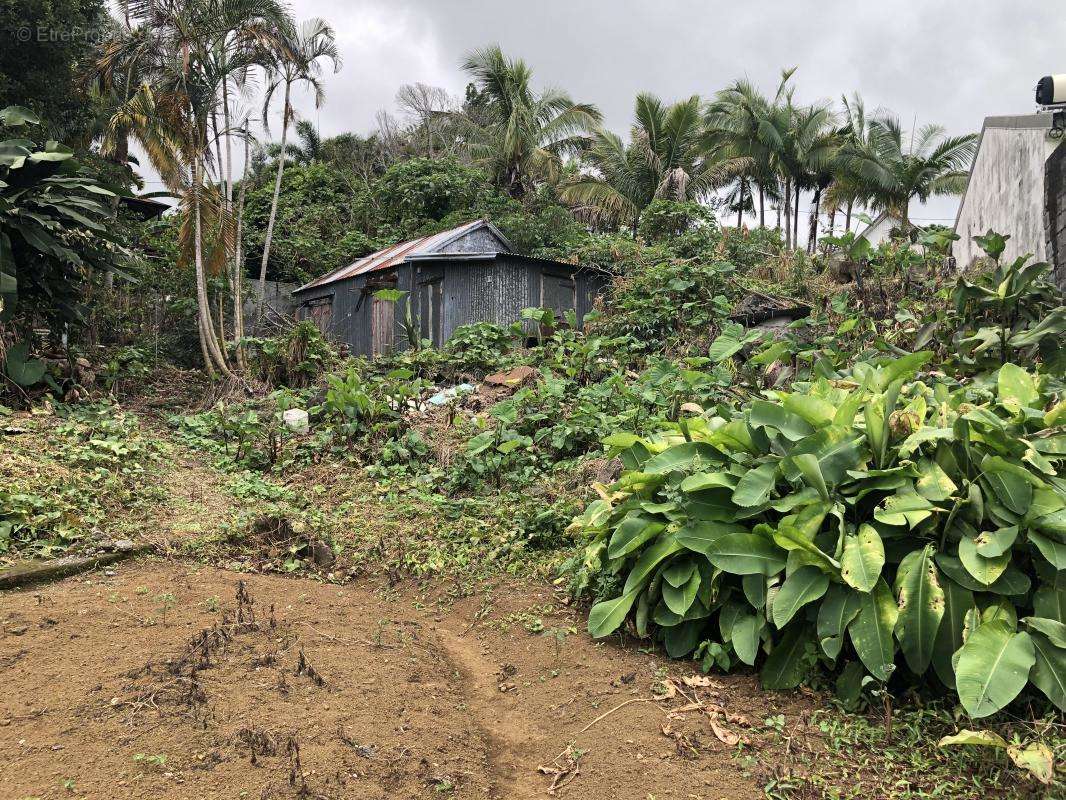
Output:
x=394 y=254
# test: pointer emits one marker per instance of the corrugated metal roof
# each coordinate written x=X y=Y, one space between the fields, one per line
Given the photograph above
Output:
x=393 y=255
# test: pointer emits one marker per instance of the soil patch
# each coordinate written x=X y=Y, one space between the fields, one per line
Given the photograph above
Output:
x=152 y=680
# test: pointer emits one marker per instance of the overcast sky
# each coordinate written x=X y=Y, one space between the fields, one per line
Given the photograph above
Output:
x=951 y=62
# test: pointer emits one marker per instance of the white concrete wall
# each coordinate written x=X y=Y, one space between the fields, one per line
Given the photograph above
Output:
x=879 y=230
x=1006 y=188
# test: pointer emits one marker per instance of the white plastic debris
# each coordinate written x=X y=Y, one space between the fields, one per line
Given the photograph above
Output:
x=296 y=420
x=442 y=397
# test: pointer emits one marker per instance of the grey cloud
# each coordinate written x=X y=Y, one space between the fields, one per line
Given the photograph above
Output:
x=952 y=62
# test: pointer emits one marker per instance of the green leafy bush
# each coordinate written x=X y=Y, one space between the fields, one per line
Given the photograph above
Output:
x=670 y=306
x=57 y=230
x=295 y=358
x=865 y=521
x=665 y=220
x=481 y=346
x=1018 y=313
x=64 y=488
x=323 y=222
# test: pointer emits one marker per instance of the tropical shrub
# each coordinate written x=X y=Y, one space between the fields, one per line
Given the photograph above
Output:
x=665 y=220
x=672 y=305
x=482 y=346
x=416 y=193
x=295 y=358
x=56 y=225
x=867 y=521
x=1019 y=315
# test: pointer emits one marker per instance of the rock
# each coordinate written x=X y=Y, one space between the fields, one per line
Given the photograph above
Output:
x=609 y=470
x=841 y=269
x=322 y=554
x=514 y=377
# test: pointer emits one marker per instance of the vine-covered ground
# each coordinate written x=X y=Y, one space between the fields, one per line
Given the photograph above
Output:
x=421 y=663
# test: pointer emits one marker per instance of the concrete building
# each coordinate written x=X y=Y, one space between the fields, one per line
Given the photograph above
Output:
x=1008 y=191
x=879 y=230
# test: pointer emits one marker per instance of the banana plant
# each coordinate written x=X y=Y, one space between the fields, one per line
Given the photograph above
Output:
x=877 y=521
x=56 y=223
x=1023 y=312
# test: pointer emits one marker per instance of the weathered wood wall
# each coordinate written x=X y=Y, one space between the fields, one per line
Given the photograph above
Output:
x=490 y=290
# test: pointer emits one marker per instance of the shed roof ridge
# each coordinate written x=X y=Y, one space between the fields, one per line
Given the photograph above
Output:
x=396 y=253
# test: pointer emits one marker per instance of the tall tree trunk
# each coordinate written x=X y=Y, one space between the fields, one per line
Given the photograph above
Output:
x=812 y=229
x=216 y=156
x=788 y=214
x=238 y=262
x=215 y=358
x=215 y=152
x=273 y=209
x=762 y=207
x=235 y=282
x=221 y=319
x=832 y=220
x=229 y=145
x=740 y=206
x=796 y=220
x=847 y=217
x=208 y=366
x=121 y=156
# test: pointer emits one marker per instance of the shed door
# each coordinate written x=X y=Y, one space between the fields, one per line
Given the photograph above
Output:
x=382 y=326
x=558 y=291
x=320 y=312
x=429 y=304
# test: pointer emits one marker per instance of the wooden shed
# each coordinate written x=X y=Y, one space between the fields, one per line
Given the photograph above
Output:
x=456 y=277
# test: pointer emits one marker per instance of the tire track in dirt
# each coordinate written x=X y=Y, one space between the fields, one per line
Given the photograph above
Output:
x=511 y=738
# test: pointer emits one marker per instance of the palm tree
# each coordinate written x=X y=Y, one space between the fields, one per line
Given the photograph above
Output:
x=306 y=150
x=845 y=190
x=519 y=135
x=248 y=33
x=744 y=122
x=296 y=62
x=168 y=114
x=184 y=53
x=809 y=158
x=890 y=174
x=667 y=157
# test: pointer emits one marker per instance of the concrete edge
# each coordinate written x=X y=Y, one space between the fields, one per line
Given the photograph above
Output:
x=23 y=575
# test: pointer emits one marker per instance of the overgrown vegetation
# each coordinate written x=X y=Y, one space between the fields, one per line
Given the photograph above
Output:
x=88 y=468
x=866 y=498
x=865 y=515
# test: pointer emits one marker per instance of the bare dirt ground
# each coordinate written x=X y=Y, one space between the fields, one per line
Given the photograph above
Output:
x=154 y=681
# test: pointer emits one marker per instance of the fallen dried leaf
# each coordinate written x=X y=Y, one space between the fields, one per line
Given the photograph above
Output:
x=723 y=734
x=563 y=774
x=682 y=743
x=697 y=681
